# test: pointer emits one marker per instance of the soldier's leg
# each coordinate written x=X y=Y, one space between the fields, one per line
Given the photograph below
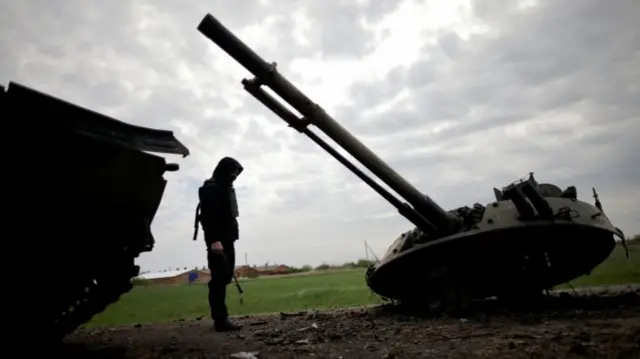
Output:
x=217 y=286
x=223 y=324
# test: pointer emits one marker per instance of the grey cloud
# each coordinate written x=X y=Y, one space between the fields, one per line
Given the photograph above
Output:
x=513 y=77
x=168 y=103
x=450 y=44
x=526 y=70
x=340 y=35
x=336 y=32
x=256 y=132
x=581 y=57
x=85 y=65
x=493 y=10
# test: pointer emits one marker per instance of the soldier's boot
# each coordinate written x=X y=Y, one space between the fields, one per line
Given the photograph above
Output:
x=224 y=325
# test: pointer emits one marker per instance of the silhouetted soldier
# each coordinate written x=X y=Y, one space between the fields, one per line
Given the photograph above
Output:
x=218 y=216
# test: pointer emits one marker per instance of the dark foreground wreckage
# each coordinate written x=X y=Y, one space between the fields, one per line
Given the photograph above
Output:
x=88 y=194
x=533 y=237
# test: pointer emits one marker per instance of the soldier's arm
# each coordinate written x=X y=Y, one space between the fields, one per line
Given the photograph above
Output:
x=212 y=213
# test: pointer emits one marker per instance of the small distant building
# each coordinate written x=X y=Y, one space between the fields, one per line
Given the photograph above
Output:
x=203 y=275
x=246 y=272
x=273 y=269
x=175 y=277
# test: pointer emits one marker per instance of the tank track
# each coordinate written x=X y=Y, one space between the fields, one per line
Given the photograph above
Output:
x=90 y=297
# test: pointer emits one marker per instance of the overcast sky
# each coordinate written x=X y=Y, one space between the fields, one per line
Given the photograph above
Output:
x=457 y=96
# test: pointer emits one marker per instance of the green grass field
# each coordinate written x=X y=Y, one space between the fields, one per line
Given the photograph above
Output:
x=332 y=289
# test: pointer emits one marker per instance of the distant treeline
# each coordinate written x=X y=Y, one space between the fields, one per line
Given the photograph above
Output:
x=361 y=263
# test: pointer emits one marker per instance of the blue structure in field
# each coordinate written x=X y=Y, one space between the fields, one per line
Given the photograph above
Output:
x=193 y=276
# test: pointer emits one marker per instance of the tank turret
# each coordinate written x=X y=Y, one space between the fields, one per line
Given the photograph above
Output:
x=522 y=243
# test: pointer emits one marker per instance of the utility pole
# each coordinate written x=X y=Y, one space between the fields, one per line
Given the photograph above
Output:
x=245 y=259
x=366 y=250
x=370 y=251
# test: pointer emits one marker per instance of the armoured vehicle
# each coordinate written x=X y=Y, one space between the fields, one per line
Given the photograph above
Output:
x=531 y=238
x=85 y=193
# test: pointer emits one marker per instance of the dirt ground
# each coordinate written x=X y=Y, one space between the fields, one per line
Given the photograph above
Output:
x=577 y=325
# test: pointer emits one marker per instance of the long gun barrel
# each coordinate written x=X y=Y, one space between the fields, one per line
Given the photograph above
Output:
x=428 y=215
